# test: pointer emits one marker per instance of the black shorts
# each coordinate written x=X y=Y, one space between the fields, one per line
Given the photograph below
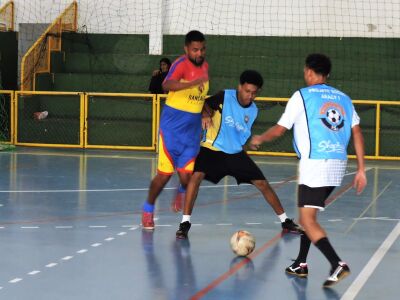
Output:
x=313 y=197
x=217 y=164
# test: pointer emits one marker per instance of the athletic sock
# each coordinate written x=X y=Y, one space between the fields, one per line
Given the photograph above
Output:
x=185 y=218
x=326 y=248
x=181 y=189
x=304 y=248
x=283 y=217
x=147 y=207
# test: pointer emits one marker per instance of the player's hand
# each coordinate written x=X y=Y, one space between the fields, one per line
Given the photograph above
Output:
x=156 y=72
x=255 y=142
x=360 y=181
x=206 y=122
x=200 y=82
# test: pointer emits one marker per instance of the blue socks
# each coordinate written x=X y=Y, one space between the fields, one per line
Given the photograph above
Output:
x=181 y=189
x=147 y=207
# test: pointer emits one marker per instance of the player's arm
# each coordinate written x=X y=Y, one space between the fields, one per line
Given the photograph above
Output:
x=271 y=134
x=293 y=108
x=173 y=80
x=360 y=179
x=176 y=85
x=211 y=104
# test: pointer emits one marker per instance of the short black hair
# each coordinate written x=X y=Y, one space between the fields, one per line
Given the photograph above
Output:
x=252 y=77
x=165 y=60
x=194 y=36
x=319 y=63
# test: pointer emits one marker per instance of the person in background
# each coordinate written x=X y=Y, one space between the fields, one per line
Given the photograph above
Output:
x=158 y=76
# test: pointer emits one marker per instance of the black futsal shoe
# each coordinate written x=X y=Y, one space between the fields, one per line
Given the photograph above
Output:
x=290 y=226
x=299 y=270
x=183 y=230
x=337 y=274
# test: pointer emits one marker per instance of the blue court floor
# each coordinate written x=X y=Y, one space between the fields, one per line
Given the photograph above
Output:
x=70 y=229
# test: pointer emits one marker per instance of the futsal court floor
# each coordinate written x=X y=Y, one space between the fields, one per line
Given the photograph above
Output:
x=70 y=229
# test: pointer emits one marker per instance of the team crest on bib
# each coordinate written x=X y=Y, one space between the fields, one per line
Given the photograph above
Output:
x=246 y=119
x=332 y=116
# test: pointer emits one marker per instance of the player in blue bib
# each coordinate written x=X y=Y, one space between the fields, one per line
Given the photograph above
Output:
x=231 y=116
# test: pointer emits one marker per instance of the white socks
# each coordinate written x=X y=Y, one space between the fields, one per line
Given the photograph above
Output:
x=185 y=218
x=282 y=217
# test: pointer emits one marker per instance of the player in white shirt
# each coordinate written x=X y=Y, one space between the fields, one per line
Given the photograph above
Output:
x=323 y=118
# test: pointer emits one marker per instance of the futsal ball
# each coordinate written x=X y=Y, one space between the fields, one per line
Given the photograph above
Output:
x=242 y=243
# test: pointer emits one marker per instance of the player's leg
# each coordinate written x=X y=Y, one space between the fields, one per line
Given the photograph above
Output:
x=317 y=235
x=208 y=165
x=190 y=198
x=245 y=170
x=184 y=177
x=311 y=200
x=272 y=198
x=184 y=167
x=165 y=169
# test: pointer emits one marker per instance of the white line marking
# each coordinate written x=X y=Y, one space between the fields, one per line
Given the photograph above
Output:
x=163 y=225
x=109 y=239
x=369 y=206
x=224 y=224
x=128 y=226
x=34 y=272
x=15 y=280
x=51 y=265
x=96 y=245
x=249 y=223
x=1 y=205
x=134 y=189
x=97 y=226
x=121 y=233
x=67 y=258
x=197 y=224
x=1 y=287
x=142 y=189
x=2 y=227
x=82 y=251
x=134 y=228
x=29 y=227
x=63 y=227
x=377 y=218
x=335 y=220
x=362 y=278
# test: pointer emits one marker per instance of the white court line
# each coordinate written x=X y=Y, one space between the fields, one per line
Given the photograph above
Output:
x=15 y=280
x=67 y=258
x=51 y=265
x=121 y=233
x=82 y=251
x=98 y=226
x=254 y=223
x=109 y=239
x=144 y=189
x=362 y=278
x=63 y=227
x=96 y=245
x=34 y=272
x=125 y=190
x=29 y=227
x=224 y=224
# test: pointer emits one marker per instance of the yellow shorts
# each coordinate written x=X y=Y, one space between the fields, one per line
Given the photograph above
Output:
x=167 y=163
